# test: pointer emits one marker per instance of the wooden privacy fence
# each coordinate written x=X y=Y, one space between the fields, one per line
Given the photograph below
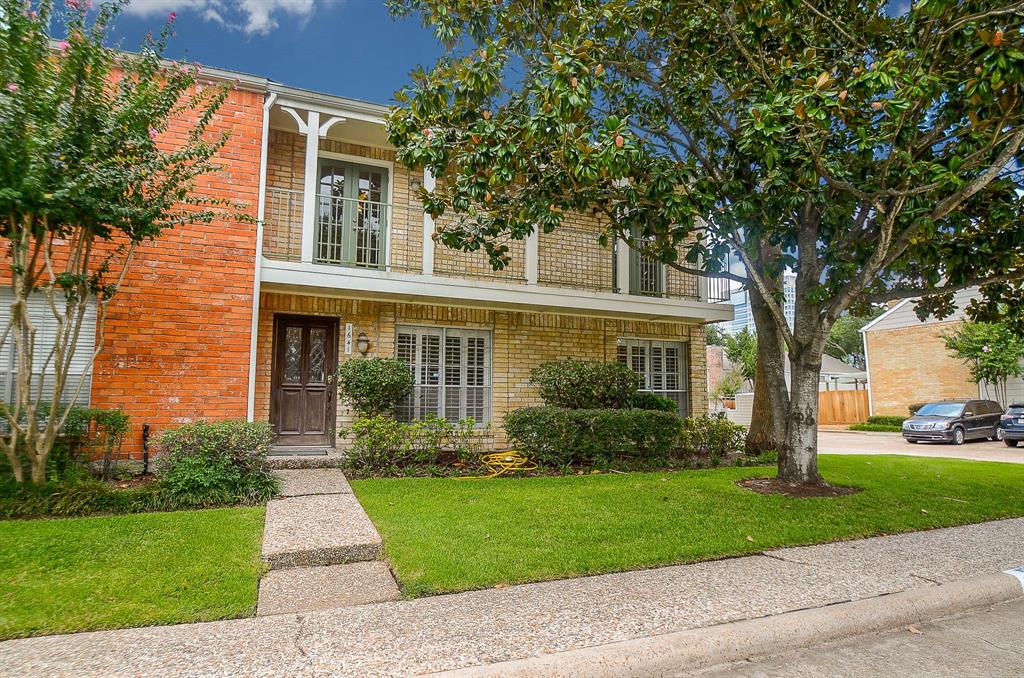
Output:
x=842 y=407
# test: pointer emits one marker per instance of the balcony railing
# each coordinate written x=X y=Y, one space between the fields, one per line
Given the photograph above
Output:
x=351 y=232
x=354 y=232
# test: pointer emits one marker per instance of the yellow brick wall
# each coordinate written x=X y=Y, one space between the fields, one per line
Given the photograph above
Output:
x=520 y=342
x=911 y=365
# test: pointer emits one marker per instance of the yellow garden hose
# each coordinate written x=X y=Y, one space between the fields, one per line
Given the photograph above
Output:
x=502 y=463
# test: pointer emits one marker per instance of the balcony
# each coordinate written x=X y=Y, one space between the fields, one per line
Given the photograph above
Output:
x=340 y=213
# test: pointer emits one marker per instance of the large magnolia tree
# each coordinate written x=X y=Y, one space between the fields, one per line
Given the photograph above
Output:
x=84 y=179
x=874 y=151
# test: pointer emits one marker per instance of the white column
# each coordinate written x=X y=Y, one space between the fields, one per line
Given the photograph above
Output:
x=533 y=257
x=428 y=227
x=309 y=198
x=622 y=253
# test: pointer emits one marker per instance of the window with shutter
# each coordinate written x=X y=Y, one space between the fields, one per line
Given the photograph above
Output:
x=662 y=364
x=451 y=373
x=46 y=335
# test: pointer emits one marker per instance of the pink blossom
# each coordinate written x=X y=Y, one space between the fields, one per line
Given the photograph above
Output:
x=12 y=87
x=153 y=134
x=73 y=4
x=63 y=45
x=171 y=17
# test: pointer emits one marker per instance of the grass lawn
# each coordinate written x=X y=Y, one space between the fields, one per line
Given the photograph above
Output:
x=445 y=534
x=77 y=574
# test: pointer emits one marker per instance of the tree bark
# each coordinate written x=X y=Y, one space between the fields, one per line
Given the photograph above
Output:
x=799 y=462
x=767 y=418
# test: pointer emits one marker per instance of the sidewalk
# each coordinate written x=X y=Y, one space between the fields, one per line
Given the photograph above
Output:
x=467 y=629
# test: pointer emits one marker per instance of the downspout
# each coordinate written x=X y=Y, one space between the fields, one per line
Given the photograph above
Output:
x=261 y=206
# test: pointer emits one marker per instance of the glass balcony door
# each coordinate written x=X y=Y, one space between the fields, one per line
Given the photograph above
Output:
x=352 y=214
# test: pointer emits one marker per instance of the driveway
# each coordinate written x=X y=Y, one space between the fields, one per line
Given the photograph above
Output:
x=857 y=442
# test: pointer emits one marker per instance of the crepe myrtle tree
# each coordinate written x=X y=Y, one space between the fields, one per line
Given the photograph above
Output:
x=84 y=179
x=875 y=154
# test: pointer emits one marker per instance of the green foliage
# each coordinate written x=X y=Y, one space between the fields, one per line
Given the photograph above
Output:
x=645 y=400
x=581 y=384
x=730 y=384
x=94 y=431
x=886 y=420
x=556 y=437
x=993 y=351
x=78 y=497
x=845 y=341
x=761 y=459
x=383 y=446
x=374 y=385
x=89 y=170
x=213 y=463
x=875 y=428
x=914 y=407
x=715 y=335
x=741 y=350
x=711 y=436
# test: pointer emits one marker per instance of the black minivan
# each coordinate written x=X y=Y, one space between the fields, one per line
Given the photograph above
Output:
x=954 y=421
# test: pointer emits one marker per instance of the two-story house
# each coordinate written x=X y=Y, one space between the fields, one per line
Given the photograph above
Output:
x=240 y=319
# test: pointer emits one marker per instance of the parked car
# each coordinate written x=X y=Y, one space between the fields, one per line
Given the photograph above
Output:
x=1011 y=425
x=954 y=421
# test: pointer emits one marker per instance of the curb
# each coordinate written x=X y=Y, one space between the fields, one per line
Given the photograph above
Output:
x=672 y=653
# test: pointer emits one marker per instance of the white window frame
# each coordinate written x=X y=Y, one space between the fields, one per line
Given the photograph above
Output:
x=629 y=348
x=46 y=329
x=440 y=392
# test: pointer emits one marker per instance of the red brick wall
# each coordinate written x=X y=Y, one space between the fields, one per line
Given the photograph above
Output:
x=177 y=334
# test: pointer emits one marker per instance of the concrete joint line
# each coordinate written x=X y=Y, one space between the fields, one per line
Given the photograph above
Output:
x=671 y=653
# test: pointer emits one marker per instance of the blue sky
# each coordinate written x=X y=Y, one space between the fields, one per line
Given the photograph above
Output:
x=351 y=48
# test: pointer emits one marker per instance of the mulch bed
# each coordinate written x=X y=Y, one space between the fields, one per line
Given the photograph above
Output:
x=773 y=486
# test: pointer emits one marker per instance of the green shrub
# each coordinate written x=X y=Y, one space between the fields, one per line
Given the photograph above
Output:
x=710 y=436
x=558 y=437
x=875 y=428
x=374 y=386
x=886 y=420
x=383 y=445
x=76 y=498
x=645 y=400
x=583 y=385
x=213 y=463
x=94 y=432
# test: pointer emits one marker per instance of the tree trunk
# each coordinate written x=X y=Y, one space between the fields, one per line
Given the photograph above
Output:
x=798 y=462
x=767 y=418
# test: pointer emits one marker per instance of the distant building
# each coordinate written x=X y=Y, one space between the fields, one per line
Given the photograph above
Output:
x=743 y=318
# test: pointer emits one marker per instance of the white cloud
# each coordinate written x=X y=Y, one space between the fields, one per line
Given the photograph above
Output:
x=250 y=16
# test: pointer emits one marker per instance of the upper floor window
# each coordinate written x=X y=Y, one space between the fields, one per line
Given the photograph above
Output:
x=662 y=364
x=451 y=373
x=352 y=215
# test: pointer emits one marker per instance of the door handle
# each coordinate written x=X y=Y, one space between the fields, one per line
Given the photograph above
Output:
x=330 y=378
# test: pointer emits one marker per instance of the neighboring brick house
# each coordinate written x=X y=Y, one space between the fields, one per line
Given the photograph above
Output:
x=907 y=360
x=249 y=319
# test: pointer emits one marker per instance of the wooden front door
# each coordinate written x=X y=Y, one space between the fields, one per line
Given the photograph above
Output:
x=302 y=402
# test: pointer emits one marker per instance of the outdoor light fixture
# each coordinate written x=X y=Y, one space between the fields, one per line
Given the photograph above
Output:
x=416 y=185
x=363 y=343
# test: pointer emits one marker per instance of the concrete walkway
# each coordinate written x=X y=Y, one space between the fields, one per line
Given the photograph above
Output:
x=861 y=442
x=318 y=540
x=448 y=632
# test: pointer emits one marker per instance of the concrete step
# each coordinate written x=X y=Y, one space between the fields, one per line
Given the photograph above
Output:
x=305 y=589
x=302 y=482
x=333 y=459
x=327 y=529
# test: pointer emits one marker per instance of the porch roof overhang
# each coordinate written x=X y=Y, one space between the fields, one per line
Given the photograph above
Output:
x=337 y=281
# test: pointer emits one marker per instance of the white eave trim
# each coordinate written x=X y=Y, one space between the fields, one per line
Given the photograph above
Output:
x=323 y=280
x=885 y=315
